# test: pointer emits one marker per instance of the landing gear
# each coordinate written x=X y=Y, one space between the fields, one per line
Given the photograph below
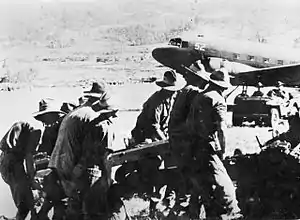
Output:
x=236 y=120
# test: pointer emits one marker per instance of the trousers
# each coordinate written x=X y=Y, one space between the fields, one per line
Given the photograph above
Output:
x=13 y=173
x=211 y=180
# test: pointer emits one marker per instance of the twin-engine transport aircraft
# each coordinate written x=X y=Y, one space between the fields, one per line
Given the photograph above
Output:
x=247 y=62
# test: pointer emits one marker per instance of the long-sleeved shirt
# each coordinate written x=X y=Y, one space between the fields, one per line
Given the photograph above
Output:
x=180 y=110
x=206 y=119
x=152 y=123
x=48 y=140
x=78 y=141
x=19 y=141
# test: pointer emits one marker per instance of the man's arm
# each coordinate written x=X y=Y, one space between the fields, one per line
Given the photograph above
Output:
x=282 y=137
x=32 y=144
x=221 y=128
x=137 y=133
x=30 y=166
x=178 y=114
x=156 y=118
x=23 y=138
x=221 y=110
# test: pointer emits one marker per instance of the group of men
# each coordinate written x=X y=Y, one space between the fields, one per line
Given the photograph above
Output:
x=77 y=138
x=277 y=92
x=191 y=116
x=190 y=113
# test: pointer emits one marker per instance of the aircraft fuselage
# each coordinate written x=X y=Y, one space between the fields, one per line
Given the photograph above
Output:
x=258 y=55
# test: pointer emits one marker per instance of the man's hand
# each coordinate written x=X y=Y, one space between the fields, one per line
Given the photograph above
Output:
x=129 y=142
x=36 y=185
x=148 y=141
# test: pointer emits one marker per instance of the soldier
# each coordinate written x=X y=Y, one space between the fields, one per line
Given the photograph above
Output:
x=258 y=92
x=179 y=138
x=152 y=123
x=78 y=156
x=206 y=128
x=279 y=92
x=196 y=82
x=51 y=114
x=292 y=135
x=18 y=146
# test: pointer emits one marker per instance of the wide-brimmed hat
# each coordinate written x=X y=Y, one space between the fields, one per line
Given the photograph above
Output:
x=68 y=107
x=98 y=90
x=48 y=105
x=199 y=70
x=220 y=77
x=171 y=81
x=82 y=100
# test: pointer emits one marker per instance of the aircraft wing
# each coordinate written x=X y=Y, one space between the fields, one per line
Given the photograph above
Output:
x=288 y=74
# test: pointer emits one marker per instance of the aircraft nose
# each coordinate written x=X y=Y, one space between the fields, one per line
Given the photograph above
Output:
x=174 y=57
x=163 y=56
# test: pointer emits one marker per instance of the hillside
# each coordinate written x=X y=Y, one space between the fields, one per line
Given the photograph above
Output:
x=43 y=41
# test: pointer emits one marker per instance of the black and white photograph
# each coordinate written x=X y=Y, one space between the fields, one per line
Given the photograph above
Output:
x=149 y=109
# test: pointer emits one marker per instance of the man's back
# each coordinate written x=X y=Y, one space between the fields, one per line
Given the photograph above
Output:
x=181 y=109
x=160 y=102
x=22 y=137
x=207 y=110
x=70 y=136
x=154 y=116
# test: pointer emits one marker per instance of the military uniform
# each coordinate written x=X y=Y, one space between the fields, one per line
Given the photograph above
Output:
x=78 y=158
x=51 y=114
x=153 y=121
x=292 y=135
x=51 y=127
x=279 y=93
x=48 y=139
x=177 y=125
x=79 y=148
x=152 y=124
x=179 y=138
x=17 y=145
x=209 y=175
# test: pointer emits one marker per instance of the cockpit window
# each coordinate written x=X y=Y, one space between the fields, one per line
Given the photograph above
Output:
x=185 y=44
x=236 y=56
x=176 y=42
x=266 y=60
x=250 y=57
